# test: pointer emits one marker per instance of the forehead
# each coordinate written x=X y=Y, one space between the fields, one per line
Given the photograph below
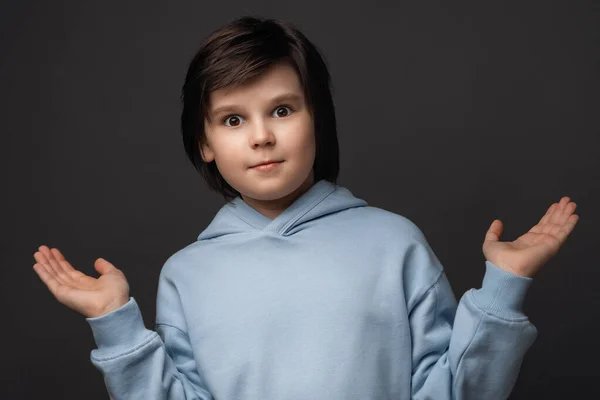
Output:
x=279 y=78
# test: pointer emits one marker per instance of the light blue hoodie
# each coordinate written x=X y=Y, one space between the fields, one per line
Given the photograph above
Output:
x=332 y=300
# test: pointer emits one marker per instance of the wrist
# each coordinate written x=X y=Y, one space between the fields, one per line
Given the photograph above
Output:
x=112 y=306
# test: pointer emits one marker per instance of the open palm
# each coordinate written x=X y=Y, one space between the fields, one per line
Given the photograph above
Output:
x=526 y=255
x=87 y=295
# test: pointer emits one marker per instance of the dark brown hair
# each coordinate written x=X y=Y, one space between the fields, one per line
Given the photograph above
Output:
x=238 y=52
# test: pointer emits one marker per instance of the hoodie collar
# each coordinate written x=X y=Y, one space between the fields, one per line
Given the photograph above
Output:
x=320 y=199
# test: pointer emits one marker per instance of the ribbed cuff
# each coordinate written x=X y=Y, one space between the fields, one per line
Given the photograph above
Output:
x=502 y=293
x=119 y=330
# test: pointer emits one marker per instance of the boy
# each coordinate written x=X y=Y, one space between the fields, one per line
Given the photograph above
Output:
x=298 y=289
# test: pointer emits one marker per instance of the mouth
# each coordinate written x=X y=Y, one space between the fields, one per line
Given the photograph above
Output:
x=267 y=163
x=266 y=166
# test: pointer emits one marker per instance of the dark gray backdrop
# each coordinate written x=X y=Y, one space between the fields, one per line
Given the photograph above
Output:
x=451 y=114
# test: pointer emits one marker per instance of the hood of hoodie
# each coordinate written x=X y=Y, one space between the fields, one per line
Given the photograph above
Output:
x=321 y=199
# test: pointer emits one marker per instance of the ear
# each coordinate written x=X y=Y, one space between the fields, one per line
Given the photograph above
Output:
x=206 y=152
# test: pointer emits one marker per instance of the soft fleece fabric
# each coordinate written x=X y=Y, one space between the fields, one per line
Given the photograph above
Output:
x=333 y=299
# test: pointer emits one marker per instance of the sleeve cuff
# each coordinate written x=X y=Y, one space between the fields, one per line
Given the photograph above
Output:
x=119 y=330
x=502 y=293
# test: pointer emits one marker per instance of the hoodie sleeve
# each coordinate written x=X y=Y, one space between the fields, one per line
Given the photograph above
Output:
x=472 y=350
x=138 y=363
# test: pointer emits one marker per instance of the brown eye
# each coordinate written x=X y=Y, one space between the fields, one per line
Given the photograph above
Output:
x=234 y=120
x=283 y=111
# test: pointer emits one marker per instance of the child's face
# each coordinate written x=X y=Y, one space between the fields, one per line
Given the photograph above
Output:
x=253 y=123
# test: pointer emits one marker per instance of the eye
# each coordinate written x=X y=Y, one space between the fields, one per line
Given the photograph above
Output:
x=279 y=113
x=234 y=120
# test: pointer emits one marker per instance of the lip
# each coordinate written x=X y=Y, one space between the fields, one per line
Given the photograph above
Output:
x=266 y=166
x=266 y=163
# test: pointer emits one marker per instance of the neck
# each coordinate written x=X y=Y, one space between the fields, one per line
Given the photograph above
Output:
x=273 y=208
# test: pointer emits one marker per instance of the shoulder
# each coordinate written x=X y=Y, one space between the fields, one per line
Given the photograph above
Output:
x=387 y=222
x=401 y=239
x=182 y=260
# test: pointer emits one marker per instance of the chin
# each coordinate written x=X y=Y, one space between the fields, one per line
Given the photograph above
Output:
x=271 y=189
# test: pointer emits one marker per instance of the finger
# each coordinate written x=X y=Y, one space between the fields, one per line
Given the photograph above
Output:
x=554 y=229
x=46 y=252
x=65 y=267
x=495 y=231
x=47 y=277
x=561 y=216
x=549 y=224
x=49 y=270
x=57 y=254
x=69 y=270
x=40 y=257
x=548 y=214
x=565 y=230
x=59 y=274
x=567 y=212
x=63 y=263
x=53 y=272
x=52 y=282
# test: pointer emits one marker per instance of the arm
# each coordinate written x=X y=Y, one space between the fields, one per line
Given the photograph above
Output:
x=472 y=350
x=138 y=363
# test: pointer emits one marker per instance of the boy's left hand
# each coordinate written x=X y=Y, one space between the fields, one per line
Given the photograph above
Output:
x=528 y=254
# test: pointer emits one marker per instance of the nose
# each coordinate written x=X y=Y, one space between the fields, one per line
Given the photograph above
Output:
x=261 y=135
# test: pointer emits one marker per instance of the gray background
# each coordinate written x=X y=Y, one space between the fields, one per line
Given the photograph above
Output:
x=451 y=114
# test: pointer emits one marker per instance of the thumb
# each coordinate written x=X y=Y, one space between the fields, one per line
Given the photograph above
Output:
x=103 y=266
x=495 y=231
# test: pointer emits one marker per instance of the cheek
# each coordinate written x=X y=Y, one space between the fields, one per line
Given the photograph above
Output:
x=228 y=147
x=310 y=140
x=310 y=143
x=305 y=138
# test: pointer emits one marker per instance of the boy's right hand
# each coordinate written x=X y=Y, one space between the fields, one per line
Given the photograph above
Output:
x=91 y=297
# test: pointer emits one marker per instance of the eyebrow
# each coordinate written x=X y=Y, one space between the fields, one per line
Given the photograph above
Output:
x=278 y=99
